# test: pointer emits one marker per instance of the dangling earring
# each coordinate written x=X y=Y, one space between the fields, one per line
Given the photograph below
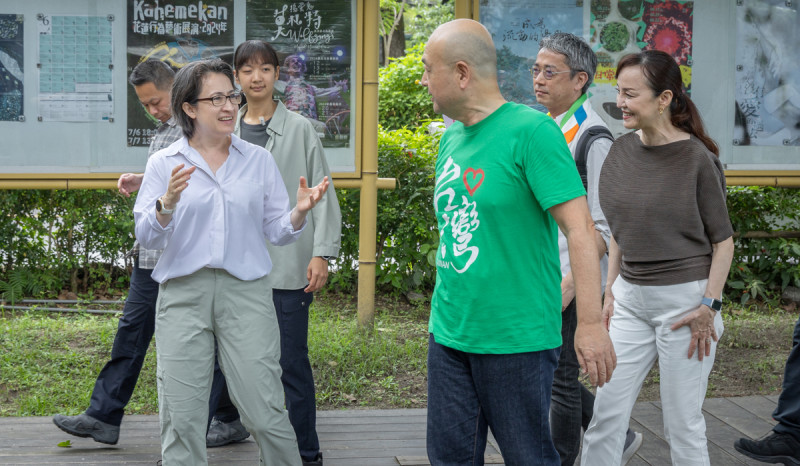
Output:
x=660 y=110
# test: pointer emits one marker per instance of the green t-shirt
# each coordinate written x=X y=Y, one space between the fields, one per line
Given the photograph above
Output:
x=498 y=277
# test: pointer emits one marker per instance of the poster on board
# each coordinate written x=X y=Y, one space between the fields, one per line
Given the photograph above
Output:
x=11 y=66
x=75 y=62
x=315 y=44
x=767 y=111
x=176 y=32
x=517 y=26
x=613 y=28
x=620 y=27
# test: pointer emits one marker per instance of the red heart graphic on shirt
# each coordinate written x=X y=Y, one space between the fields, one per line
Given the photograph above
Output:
x=476 y=181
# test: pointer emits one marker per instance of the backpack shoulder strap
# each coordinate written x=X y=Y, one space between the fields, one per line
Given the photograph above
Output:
x=582 y=149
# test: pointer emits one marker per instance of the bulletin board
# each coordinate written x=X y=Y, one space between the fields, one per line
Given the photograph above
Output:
x=69 y=117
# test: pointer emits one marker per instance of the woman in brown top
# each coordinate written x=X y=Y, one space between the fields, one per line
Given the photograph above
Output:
x=663 y=192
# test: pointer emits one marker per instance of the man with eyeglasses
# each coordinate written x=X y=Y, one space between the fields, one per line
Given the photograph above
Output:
x=152 y=82
x=562 y=74
x=504 y=180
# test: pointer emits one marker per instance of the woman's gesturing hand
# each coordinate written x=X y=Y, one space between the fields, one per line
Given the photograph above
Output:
x=177 y=183
x=307 y=197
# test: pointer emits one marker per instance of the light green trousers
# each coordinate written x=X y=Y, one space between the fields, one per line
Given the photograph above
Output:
x=190 y=313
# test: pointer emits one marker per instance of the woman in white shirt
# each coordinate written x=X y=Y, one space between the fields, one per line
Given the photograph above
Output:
x=211 y=201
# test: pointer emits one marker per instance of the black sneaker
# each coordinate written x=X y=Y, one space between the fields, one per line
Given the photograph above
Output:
x=317 y=461
x=222 y=433
x=774 y=448
x=84 y=425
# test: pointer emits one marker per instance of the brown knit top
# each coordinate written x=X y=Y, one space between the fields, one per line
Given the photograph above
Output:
x=665 y=206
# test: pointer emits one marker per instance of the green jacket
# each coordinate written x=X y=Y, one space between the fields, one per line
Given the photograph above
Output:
x=297 y=150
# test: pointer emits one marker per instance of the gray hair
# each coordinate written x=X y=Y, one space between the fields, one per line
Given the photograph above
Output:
x=152 y=71
x=577 y=54
x=188 y=84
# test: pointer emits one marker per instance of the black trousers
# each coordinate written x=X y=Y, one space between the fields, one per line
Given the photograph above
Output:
x=117 y=379
x=571 y=403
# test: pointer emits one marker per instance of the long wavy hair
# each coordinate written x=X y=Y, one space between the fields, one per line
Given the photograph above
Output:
x=662 y=73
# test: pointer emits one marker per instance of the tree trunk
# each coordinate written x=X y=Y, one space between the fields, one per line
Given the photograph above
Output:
x=397 y=44
x=382 y=52
x=393 y=41
x=86 y=246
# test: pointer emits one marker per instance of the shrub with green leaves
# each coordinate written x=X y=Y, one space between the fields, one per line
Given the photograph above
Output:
x=402 y=100
x=407 y=237
x=422 y=17
x=763 y=267
x=56 y=239
x=51 y=240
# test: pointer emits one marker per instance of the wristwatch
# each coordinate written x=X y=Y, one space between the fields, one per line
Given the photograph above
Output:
x=714 y=304
x=161 y=209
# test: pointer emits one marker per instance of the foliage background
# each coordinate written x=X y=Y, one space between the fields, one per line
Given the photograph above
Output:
x=423 y=16
x=63 y=240
x=402 y=100
x=407 y=235
x=56 y=241
x=763 y=267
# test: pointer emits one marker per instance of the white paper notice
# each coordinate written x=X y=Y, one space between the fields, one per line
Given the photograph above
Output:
x=75 y=76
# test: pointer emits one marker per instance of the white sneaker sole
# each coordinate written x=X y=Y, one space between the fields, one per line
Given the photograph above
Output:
x=632 y=448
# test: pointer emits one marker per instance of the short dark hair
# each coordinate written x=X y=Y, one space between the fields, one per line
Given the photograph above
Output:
x=250 y=50
x=577 y=54
x=188 y=84
x=153 y=71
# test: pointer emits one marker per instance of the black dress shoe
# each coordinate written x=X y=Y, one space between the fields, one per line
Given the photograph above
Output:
x=317 y=461
x=774 y=448
x=84 y=425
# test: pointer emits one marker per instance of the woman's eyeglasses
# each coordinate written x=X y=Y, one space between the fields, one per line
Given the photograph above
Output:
x=219 y=100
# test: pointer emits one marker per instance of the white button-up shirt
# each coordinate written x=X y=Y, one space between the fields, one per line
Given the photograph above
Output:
x=222 y=220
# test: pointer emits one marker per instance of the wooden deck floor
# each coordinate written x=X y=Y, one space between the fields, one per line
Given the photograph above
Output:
x=367 y=438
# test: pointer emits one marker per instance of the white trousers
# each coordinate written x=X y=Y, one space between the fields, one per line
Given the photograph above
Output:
x=640 y=332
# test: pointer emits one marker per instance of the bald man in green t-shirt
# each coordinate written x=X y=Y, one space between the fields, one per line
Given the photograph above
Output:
x=504 y=180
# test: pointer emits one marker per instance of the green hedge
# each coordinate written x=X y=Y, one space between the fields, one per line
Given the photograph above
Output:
x=55 y=240
x=763 y=267
x=402 y=100
x=407 y=237
x=76 y=240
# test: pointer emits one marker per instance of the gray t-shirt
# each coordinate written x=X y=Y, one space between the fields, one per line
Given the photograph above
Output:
x=255 y=134
x=665 y=206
